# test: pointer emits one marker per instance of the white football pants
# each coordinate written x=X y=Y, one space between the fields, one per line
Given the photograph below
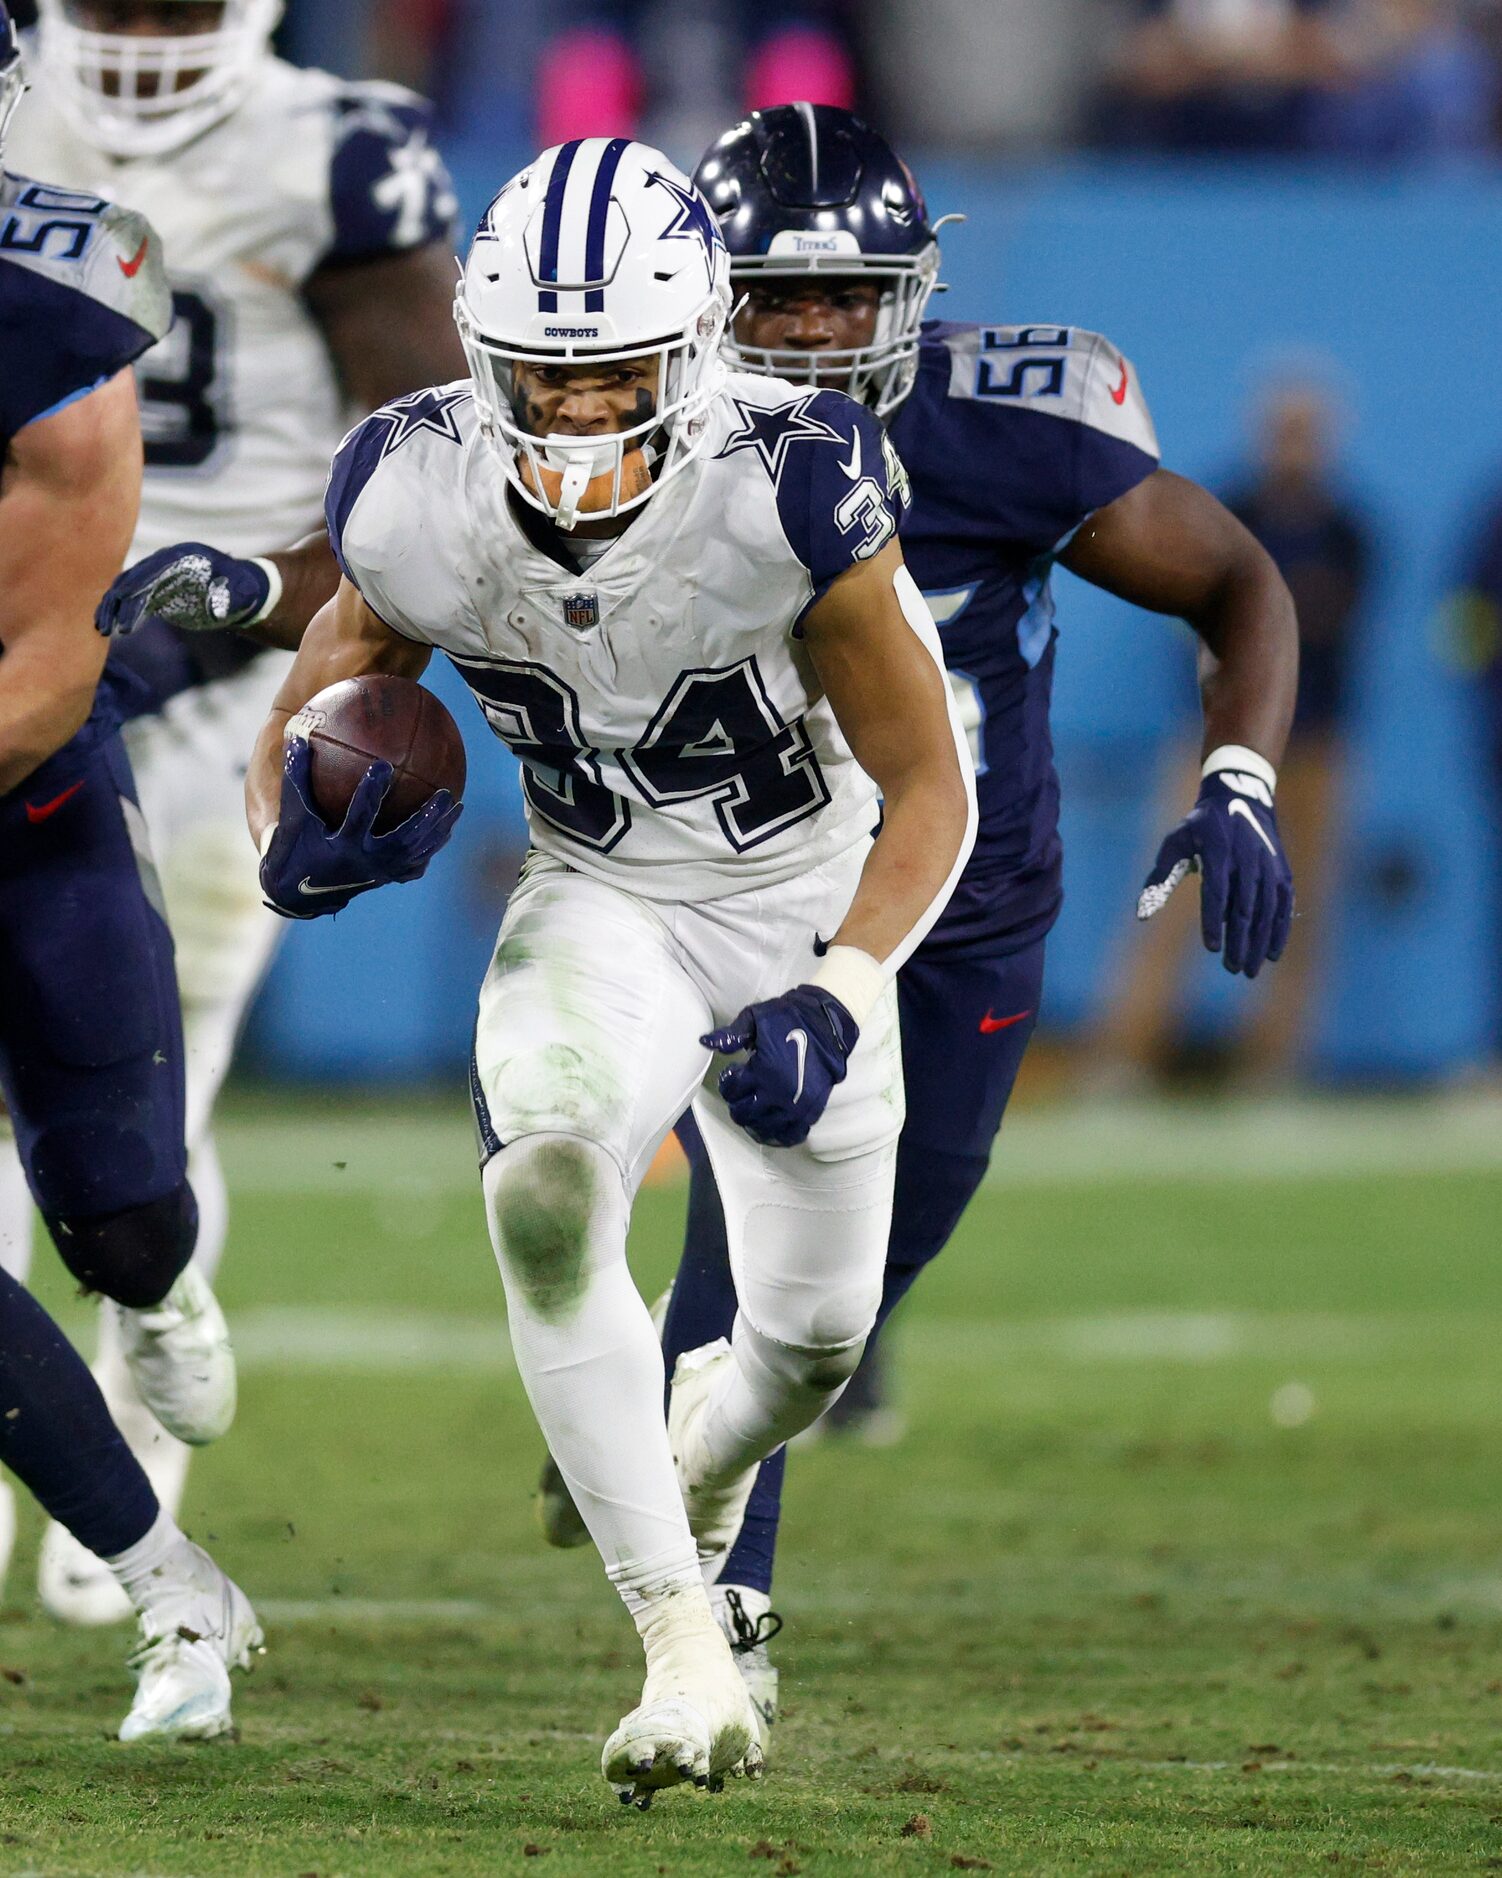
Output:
x=586 y=1052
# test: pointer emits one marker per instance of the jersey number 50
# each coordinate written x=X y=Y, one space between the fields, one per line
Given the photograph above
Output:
x=717 y=734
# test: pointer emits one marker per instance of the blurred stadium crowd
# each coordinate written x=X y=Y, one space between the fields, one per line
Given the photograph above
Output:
x=1354 y=78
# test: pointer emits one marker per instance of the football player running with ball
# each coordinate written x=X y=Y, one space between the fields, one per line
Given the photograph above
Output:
x=677 y=595
x=1027 y=446
x=307 y=224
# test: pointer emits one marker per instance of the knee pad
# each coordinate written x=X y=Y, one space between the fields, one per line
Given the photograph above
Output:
x=548 y=1196
x=134 y=1257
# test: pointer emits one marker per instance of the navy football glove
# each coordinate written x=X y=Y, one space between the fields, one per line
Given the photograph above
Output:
x=309 y=870
x=799 y=1047
x=1230 y=838
x=190 y=586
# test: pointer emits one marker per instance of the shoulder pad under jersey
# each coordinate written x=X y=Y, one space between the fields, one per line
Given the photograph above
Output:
x=840 y=485
x=1045 y=424
x=389 y=189
x=83 y=293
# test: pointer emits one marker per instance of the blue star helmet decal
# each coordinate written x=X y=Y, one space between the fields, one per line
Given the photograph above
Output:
x=692 y=221
x=422 y=410
x=770 y=433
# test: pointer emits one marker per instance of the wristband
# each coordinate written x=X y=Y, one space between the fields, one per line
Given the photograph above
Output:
x=853 y=977
x=267 y=837
x=1236 y=756
x=276 y=588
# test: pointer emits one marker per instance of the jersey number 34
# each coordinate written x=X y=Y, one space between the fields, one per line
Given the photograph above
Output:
x=717 y=734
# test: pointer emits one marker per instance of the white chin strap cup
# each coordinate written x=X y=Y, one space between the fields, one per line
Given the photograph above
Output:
x=576 y=479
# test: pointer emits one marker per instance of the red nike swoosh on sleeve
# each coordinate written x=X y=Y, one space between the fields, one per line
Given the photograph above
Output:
x=1118 y=396
x=989 y=1023
x=132 y=267
x=39 y=811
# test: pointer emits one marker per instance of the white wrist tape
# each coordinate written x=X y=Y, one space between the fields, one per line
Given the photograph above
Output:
x=267 y=838
x=1236 y=756
x=853 y=977
x=274 y=597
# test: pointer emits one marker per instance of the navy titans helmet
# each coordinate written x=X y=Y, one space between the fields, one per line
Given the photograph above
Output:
x=12 y=74
x=808 y=189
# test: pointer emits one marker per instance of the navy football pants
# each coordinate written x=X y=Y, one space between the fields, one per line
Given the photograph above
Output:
x=966 y=1024
x=91 y=1045
x=56 y=1435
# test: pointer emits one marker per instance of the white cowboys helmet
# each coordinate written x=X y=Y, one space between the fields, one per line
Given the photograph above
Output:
x=599 y=251
x=143 y=95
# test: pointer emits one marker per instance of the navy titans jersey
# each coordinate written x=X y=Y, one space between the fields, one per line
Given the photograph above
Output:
x=82 y=295
x=1012 y=436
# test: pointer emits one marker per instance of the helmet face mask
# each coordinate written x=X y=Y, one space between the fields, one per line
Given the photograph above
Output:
x=143 y=93
x=597 y=261
x=881 y=372
x=809 y=191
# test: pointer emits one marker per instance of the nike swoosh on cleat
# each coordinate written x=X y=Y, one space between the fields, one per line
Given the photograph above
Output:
x=1118 y=396
x=799 y=1040
x=40 y=811
x=853 y=468
x=989 y=1023
x=132 y=267
x=1238 y=807
x=305 y=885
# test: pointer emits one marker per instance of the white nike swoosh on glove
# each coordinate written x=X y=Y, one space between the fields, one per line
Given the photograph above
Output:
x=799 y=1040
x=1238 y=807
x=305 y=885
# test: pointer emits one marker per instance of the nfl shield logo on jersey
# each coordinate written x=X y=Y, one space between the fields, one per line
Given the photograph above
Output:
x=581 y=610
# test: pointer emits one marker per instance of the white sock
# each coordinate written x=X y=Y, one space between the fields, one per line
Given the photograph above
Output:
x=588 y=1355
x=165 y=1562
x=644 y=1587
x=17 y=1217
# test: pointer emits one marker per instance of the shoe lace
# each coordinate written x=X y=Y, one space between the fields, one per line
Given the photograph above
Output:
x=749 y=1634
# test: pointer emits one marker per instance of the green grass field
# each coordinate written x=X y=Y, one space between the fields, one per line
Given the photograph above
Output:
x=1191 y=1562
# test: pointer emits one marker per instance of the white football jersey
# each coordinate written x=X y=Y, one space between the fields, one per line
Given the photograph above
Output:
x=241 y=404
x=673 y=734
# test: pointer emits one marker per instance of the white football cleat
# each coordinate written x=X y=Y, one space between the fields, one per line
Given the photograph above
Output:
x=695 y=1721
x=192 y=1636
x=750 y=1624
x=714 y=1513
x=181 y=1361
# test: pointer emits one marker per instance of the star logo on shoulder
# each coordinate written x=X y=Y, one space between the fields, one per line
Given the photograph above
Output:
x=423 y=410
x=772 y=432
x=691 y=221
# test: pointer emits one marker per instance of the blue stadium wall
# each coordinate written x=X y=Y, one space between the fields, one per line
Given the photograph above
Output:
x=1208 y=280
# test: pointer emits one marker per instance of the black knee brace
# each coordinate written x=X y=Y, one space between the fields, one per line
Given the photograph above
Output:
x=134 y=1257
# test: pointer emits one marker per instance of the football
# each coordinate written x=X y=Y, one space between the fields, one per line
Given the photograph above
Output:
x=361 y=721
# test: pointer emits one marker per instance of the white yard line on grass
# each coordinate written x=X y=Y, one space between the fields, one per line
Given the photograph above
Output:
x=318 y=1337
x=425 y=1158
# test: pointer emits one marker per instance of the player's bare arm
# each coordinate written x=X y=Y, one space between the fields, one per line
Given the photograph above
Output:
x=387 y=326
x=69 y=492
x=345 y=640
x=1168 y=545
x=892 y=703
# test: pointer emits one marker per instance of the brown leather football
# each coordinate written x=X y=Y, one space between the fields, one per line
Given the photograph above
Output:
x=361 y=721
